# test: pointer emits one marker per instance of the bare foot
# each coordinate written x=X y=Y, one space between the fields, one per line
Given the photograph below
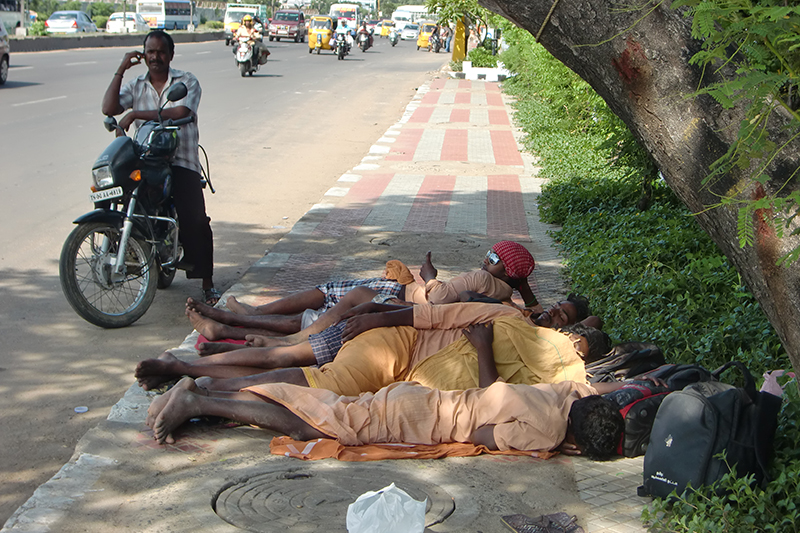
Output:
x=180 y=407
x=158 y=404
x=210 y=348
x=262 y=341
x=152 y=373
x=239 y=308
x=209 y=328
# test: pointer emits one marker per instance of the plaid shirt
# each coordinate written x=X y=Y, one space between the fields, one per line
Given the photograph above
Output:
x=140 y=95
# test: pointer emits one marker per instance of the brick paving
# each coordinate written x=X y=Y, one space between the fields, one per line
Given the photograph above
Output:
x=458 y=123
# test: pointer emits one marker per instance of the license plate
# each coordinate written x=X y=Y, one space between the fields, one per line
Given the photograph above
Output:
x=106 y=194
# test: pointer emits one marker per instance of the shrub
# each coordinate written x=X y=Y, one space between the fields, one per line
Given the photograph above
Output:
x=481 y=57
x=649 y=271
x=100 y=21
x=37 y=28
x=215 y=25
x=203 y=19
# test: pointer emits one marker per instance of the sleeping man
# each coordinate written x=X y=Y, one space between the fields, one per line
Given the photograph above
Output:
x=501 y=416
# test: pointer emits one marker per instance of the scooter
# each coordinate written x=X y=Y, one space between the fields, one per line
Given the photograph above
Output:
x=394 y=37
x=127 y=247
x=363 y=41
x=245 y=58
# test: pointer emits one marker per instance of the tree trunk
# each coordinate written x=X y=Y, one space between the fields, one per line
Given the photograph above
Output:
x=641 y=69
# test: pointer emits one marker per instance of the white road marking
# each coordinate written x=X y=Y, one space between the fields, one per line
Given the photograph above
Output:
x=80 y=63
x=20 y=68
x=206 y=52
x=39 y=101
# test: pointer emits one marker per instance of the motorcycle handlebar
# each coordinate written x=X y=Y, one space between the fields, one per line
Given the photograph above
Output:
x=179 y=121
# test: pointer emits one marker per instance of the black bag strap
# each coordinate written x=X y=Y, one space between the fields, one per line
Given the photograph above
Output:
x=749 y=382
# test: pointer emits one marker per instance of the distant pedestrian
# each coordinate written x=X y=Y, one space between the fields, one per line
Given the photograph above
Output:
x=447 y=35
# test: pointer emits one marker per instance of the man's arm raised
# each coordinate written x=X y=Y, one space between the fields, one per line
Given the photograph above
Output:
x=111 y=105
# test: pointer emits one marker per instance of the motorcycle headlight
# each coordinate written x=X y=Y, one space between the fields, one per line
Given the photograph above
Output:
x=102 y=177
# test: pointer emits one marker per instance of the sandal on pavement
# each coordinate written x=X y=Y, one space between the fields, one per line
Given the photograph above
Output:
x=211 y=296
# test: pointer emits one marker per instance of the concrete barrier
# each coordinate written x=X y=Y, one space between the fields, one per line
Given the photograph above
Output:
x=102 y=40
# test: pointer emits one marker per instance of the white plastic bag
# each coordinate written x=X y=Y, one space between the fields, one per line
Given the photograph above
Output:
x=390 y=510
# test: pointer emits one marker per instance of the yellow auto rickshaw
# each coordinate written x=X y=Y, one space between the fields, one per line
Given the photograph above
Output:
x=386 y=27
x=320 y=33
x=425 y=31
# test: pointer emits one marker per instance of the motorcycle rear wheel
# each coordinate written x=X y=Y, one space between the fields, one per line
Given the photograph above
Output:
x=83 y=270
x=165 y=276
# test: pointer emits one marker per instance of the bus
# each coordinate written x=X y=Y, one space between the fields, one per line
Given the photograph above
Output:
x=409 y=14
x=168 y=14
x=349 y=12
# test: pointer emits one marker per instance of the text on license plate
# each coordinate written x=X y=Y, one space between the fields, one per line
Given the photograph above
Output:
x=106 y=194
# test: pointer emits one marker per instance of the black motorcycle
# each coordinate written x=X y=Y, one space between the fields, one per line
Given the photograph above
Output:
x=127 y=247
x=341 y=45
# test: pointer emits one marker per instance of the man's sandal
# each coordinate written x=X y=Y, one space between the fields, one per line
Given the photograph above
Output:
x=211 y=296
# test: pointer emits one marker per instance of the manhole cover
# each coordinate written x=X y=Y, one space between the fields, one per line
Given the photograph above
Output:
x=305 y=500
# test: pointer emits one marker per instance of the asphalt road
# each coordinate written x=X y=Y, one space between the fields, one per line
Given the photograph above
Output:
x=276 y=143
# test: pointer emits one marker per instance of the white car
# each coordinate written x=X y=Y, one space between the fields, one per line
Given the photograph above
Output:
x=69 y=22
x=134 y=23
x=410 y=32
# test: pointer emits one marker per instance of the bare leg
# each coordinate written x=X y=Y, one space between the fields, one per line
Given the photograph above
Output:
x=209 y=348
x=294 y=376
x=290 y=305
x=184 y=403
x=213 y=330
x=152 y=373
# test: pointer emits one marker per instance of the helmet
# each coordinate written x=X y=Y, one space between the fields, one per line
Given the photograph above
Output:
x=246 y=18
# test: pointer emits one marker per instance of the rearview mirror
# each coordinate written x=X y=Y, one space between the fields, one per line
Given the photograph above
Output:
x=110 y=123
x=177 y=92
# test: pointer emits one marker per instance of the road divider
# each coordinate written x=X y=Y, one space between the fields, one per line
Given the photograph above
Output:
x=102 y=40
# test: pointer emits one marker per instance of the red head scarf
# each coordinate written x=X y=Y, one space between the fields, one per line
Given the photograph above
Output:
x=516 y=258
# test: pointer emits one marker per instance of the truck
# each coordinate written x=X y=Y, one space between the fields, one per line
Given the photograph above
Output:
x=234 y=14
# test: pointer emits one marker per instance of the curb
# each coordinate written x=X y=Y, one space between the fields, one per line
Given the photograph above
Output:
x=103 y=40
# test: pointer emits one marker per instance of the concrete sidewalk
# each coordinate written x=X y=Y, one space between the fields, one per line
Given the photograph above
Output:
x=448 y=177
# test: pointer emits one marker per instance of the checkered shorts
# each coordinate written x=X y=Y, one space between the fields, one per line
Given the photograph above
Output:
x=327 y=344
x=334 y=290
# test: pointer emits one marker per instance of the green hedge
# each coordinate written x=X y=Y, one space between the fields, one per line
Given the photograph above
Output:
x=648 y=269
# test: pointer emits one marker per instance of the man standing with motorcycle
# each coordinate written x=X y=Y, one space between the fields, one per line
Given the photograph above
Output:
x=143 y=96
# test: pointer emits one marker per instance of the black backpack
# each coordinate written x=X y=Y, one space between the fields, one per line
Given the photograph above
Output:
x=639 y=401
x=696 y=424
x=625 y=360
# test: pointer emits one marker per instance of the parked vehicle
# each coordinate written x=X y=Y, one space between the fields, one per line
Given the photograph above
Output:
x=5 y=50
x=69 y=22
x=434 y=43
x=127 y=247
x=410 y=32
x=289 y=24
x=321 y=28
x=425 y=32
x=341 y=45
x=394 y=37
x=134 y=23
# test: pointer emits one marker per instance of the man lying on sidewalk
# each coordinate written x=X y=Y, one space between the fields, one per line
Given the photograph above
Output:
x=498 y=415
x=506 y=267
x=320 y=343
x=421 y=343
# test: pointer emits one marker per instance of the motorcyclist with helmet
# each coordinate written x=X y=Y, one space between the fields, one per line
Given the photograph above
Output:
x=248 y=32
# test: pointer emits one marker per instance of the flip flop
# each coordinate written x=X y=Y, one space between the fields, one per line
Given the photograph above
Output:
x=211 y=296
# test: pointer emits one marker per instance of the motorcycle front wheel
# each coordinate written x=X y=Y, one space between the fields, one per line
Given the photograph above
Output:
x=85 y=271
x=243 y=69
